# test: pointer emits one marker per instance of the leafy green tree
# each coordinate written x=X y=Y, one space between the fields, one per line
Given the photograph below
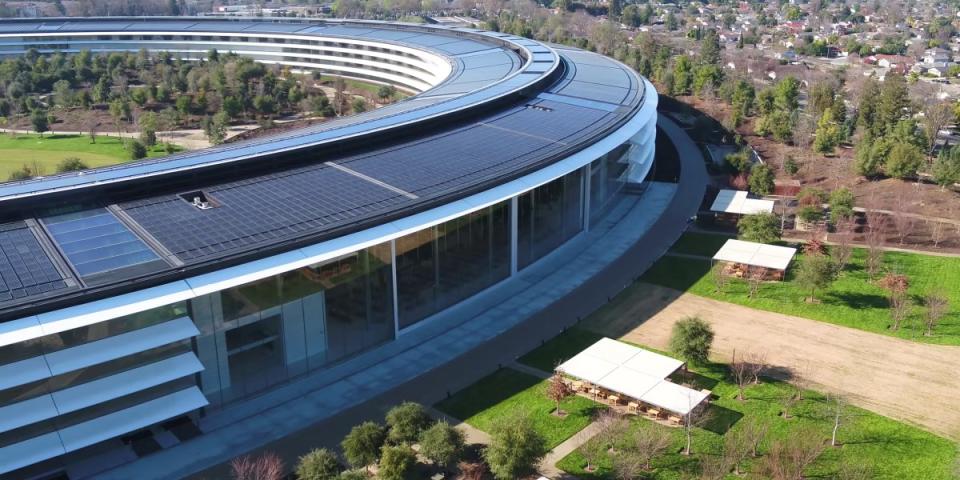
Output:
x=790 y=166
x=841 y=205
x=362 y=445
x=903 y=161
x=442 y=444
x=761 y=181
x=39 y=121
x=148 y=128
x=386 y=92
x=396 y=463
x=318 y=464
x=828 y=134
x=406 y=421
x=867 y=108
x=787 y=94
x=682 y=75
x=739 y=161
x=893 y=103
x=671 y=22
x=515 y=449
x=760 y=228
x=691 y=339
x=777 y=123
x=184 y=104
x=816 y=272
x=136 y=150
x=946 y=168
x=71 y=164
x=710 y=48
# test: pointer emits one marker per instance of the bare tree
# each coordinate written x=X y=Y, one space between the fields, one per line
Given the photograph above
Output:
x=788 y=459
x=754 y=432
x=264 y=467
x=842 y=249
x=839 y=413
x=800 y=377
x=627 y=467
x=789 y=398
x=647 y=443
x=936 y=115
x=592 y=449
x=757 y=362
x=720 y=278
x=937 y=303
x=696 y=417
x=903 y=221
x=612 y=429
x=558 y=390
x=936 y=231
x=896 y=285
x=472 y=470
x=737 y=446
x=755 y=276
x=740 y=370
x=874 y=236
x=715 y=467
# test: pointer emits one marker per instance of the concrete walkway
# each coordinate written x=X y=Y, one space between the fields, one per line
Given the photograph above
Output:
x=453 y=349
x=548 y=467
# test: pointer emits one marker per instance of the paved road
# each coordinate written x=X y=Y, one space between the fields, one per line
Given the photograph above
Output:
x=433 y=386
x=898 y=378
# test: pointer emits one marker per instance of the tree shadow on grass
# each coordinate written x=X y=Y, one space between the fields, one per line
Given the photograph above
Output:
x=721 y=419
x=855 y=300
x=488 y=392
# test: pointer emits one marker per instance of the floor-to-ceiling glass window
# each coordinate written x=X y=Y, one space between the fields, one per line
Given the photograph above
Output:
x=547 y=216
x=606 y=179
x=442 y=265
x=268 y=331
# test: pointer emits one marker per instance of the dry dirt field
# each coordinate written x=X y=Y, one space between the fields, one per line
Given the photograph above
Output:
x=909 y=381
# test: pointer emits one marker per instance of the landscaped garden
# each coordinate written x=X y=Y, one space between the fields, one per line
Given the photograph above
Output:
x=507 y=392
x=48 y=152
x=852 y=299
x=783 y=426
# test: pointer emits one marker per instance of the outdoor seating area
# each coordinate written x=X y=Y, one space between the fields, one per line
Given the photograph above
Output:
x=633 y=380
x=749 y=259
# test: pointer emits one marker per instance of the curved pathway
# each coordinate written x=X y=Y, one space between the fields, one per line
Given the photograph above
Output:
x=898 y=378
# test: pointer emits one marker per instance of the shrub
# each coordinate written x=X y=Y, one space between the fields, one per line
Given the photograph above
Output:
x=515 y=449
x=810 y=213
x=442 y=444
x=319 y=464
x=691 y=340
x=136 y=149
x=761 y=228
x=362 y=445
x=396 y=463
x=406 y=421
x=71 y=164
x=761 y=180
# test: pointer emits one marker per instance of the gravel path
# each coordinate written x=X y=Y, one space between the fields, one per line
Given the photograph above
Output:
x=905 y=380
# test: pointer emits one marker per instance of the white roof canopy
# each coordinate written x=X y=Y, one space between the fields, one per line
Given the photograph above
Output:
x=633 y=372
x=736 y=201
x=755 y=254
x=673 y=397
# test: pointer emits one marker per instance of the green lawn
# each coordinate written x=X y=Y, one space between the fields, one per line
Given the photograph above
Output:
x=891 y=449
x=703 y=244
x=852 y=301
x=50 y=150
x=507 y=392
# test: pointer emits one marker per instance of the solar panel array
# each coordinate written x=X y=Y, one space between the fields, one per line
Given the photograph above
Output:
x=263 y=209
x=94 y=241
x=25 y=269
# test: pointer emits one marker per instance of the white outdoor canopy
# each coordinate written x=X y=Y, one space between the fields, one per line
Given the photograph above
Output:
x=736 y=201
x=634 y=372
x=755 y=254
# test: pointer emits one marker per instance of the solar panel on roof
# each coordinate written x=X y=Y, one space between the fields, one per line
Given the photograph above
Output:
x=94 y=241
x=25 y=269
